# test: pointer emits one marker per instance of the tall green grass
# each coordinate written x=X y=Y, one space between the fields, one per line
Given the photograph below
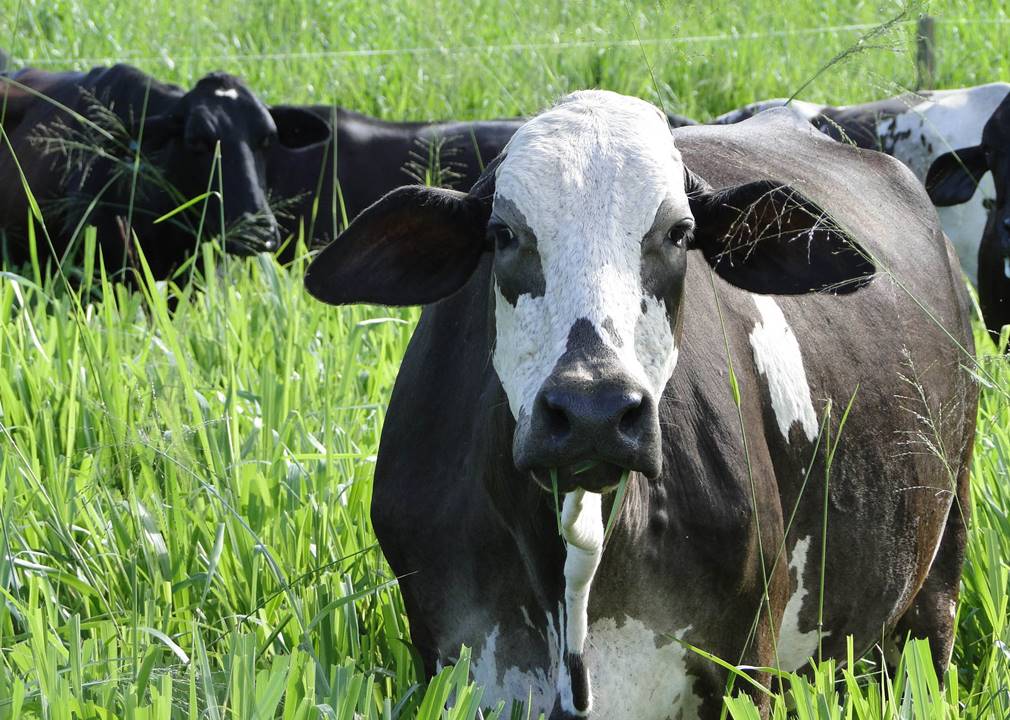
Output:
x=184 y=495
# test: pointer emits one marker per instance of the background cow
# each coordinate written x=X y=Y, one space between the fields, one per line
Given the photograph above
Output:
x=586 y=299
x=375 y=156
x=920 y=129
x=959 y=177
x=81 y=170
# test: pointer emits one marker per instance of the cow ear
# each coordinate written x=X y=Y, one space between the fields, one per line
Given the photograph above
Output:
x=298 y=128
x=768 y=238
x=415 y=246
x=953 y=177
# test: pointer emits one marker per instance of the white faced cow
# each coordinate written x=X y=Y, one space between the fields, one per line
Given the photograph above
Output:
x=937 y=133
x=587 y=301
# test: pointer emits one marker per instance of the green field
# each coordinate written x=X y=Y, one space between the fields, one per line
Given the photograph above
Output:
x=184 y=496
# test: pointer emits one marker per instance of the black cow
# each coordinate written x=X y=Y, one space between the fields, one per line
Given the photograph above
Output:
x=82 y=172
x=589 y=299
x=375 y=156
x=923 y=129
x=953 y=179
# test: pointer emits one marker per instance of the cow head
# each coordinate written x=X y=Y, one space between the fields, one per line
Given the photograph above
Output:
x=954 y=176
x=220 y=109
x=592 y=219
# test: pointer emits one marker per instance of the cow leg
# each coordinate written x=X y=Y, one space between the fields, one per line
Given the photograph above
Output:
x=931 y=615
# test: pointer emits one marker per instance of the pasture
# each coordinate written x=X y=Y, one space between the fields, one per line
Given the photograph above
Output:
x=185 y=472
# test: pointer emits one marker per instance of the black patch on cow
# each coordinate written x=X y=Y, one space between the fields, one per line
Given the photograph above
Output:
x=517 y=266
x=664 y=253
x=580 y=681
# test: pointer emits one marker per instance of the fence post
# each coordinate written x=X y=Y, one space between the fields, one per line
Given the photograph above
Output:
x=925 y=55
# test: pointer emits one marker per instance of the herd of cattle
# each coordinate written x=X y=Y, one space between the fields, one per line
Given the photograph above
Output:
x=760 y=326
x=75 y=137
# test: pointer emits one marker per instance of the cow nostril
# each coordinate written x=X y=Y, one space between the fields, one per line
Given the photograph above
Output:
x=555 y=416
x=630 y=419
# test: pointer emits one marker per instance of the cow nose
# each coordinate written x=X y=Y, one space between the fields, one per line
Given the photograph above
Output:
x=613 y=422
x=590 y=416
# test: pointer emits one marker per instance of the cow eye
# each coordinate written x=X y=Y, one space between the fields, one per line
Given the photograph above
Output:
x=680 y=234
x=502 y=236
x=988 y=203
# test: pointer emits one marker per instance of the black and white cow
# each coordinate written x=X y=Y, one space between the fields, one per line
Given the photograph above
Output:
x=959 y=177
x=82 y=171
x=587 y=303
x=919 y=129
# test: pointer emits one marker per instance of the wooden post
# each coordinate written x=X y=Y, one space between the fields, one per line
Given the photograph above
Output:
x=925 y=56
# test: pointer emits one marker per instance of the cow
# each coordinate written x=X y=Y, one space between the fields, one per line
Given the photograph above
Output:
x=375 y=156
x=765 y=329
x=961 y=175
x=921 y=129
x=75 y=137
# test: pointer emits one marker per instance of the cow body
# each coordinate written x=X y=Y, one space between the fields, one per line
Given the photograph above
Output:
x=729 y=518
x=916 y=128
x=75 y=137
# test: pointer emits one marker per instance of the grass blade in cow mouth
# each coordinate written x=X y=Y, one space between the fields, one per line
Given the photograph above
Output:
x=592 y=476
x=615 y=508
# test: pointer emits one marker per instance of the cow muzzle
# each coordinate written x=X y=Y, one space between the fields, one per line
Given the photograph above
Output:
x=589 y=431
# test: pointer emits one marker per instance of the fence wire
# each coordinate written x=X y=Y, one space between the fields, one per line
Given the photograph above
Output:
x=503 y=48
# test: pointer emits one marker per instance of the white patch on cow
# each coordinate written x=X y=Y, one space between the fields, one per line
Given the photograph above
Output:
x=950 y=120
x=582 y=529
x=639 y=674
x=778 y=358
x=795 y=646
x=530 y=686
x=588 y=176
x=230 y=93
x=1006 y=268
